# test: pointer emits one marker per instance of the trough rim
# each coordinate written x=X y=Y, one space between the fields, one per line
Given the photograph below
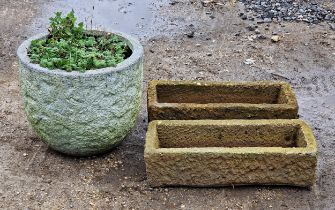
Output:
x=291 y=103
x=151 y=142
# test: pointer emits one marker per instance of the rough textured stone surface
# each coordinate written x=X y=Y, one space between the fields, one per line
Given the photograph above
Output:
x=186 y=100
x=230 y=152
x=82 y=113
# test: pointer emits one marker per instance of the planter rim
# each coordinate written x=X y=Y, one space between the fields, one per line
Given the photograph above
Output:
x=136 y=47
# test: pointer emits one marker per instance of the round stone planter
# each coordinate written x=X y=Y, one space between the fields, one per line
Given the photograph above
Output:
x=87 y=113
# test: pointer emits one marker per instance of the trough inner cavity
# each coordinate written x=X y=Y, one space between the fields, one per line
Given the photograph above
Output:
x=188 y=136
x=201 y=94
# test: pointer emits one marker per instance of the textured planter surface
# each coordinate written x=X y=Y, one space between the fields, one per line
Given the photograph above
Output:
x=185 y=100
x=82 y=113
x=230 y=152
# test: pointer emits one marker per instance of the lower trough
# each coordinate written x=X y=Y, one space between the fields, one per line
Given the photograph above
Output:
x=230 y=152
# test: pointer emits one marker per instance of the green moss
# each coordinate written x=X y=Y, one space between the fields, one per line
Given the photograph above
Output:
x=69 y=48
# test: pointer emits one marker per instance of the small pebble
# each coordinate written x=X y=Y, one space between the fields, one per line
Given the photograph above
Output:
x=244 y=17
x=251 y=27
x=275 y=38
x=249 y=61
x=261 y=37
x=332 y=26
x=190 y=34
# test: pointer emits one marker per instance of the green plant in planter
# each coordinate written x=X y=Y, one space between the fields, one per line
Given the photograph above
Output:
x=77 y=113
x=70 y=48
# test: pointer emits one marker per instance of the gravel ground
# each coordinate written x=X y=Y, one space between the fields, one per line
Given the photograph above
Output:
x=309 y=11
x=187 y=40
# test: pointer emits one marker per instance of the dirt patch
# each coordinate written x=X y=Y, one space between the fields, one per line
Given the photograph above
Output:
x=197 y=43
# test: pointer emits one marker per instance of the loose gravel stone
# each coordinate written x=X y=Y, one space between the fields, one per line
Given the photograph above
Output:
x=251 y=27
x=190 y=34
x=307 y=11
x=332 y=26
x=275 y=38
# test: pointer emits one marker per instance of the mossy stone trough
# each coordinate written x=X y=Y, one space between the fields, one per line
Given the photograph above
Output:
x=230 y=152
x=82 y=113
x=192 y=100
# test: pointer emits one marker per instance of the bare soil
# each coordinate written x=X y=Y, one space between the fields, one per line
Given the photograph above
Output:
x=35 y=177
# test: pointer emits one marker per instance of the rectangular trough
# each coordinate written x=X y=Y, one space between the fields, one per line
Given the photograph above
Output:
x=230 y=152
x=188 y=100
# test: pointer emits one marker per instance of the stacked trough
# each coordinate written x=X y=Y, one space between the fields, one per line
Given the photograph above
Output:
x=227 y=133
